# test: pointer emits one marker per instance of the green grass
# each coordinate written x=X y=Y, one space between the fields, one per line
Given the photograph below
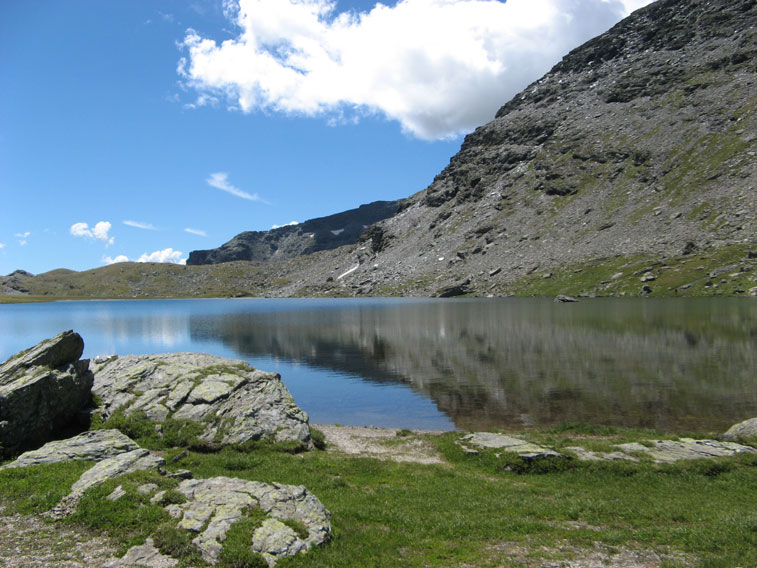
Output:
x=469 y=511
x=680 y=276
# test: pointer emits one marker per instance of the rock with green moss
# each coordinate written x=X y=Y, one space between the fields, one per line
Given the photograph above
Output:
x=110 y=468
x=95 y=446
x=214 y=505
x=42 y=390
x=743 y=431
x=234 y=402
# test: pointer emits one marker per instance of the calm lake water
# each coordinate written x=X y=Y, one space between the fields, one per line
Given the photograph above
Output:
x=678 y=364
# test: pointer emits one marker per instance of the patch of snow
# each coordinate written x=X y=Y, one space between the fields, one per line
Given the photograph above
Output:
x=337 y=232
x=350 y=271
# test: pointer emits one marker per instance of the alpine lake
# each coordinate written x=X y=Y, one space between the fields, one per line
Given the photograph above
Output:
x=684 y=365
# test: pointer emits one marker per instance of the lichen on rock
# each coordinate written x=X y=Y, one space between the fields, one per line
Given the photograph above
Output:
x=214 y=505
x=95 y=445
x=233 y=401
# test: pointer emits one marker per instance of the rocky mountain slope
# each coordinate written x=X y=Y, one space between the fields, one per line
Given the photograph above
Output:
x=630 y=168
x=324 y=233
x=639 y=145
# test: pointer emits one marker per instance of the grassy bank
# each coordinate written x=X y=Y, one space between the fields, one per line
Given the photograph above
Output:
x=471 y=510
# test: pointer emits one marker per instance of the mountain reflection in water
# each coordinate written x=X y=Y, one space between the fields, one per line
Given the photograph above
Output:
x=668 y=364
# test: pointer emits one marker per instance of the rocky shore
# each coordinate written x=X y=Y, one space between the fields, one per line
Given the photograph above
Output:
x=206 y=403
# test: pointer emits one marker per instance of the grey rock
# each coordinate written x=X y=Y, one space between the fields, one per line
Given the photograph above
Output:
x=42 y=390
x=564 y=299
x=670 y=451
x=145 y=556
x=147 y=488
x=95 y=445
x=128 y=462
x=116 y=494
x=213 y=505
x=588 y=455
x=110 y=468
x=489 y=440
x=235 y=402
x=743 y=431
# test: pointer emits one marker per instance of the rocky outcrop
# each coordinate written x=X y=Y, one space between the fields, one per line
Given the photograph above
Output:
x=324 y=233
x=213 y=505
x=670 y=451
x=42 y=389
x=640 y=142
x=95 y=446
x=234 y=402
x=657 y=451
x=743 y=431
x=116 y=466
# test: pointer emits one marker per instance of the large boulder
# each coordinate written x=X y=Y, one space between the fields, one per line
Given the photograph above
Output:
x=42 y=390
x=743 y=431
x=234 y=402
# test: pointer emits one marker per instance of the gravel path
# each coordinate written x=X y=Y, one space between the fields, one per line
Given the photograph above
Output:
x=28 y=541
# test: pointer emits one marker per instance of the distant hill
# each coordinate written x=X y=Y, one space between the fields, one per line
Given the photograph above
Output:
x=630 y=168
x=323 y=233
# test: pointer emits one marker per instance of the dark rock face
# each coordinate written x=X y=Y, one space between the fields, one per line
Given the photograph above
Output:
x=41 y=391
x=324 y=233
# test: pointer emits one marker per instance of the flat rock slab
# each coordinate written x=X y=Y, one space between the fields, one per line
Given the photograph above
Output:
x=583 y=454
x=235 y=402
x=670 y=451
x=381 y=443
x=128 y=462
x=110 y=468
x=490 y=441
x=42 y=390
x=214 y=504
x=95 y=445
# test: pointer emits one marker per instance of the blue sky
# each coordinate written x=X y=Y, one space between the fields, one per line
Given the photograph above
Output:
x=145 y=129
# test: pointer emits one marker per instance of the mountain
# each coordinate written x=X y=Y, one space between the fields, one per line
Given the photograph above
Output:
x=630 y=168
x=324 y=233
x=632 y=157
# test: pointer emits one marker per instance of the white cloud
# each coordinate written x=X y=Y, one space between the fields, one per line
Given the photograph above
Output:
x=438 y=67
x=2 y=245
x=98 y=232
x=291 y=223
x=22 y=238
x=220 y=180
x=197 y=232
x=140 y=225
x=119 y=258
x=166 y=255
